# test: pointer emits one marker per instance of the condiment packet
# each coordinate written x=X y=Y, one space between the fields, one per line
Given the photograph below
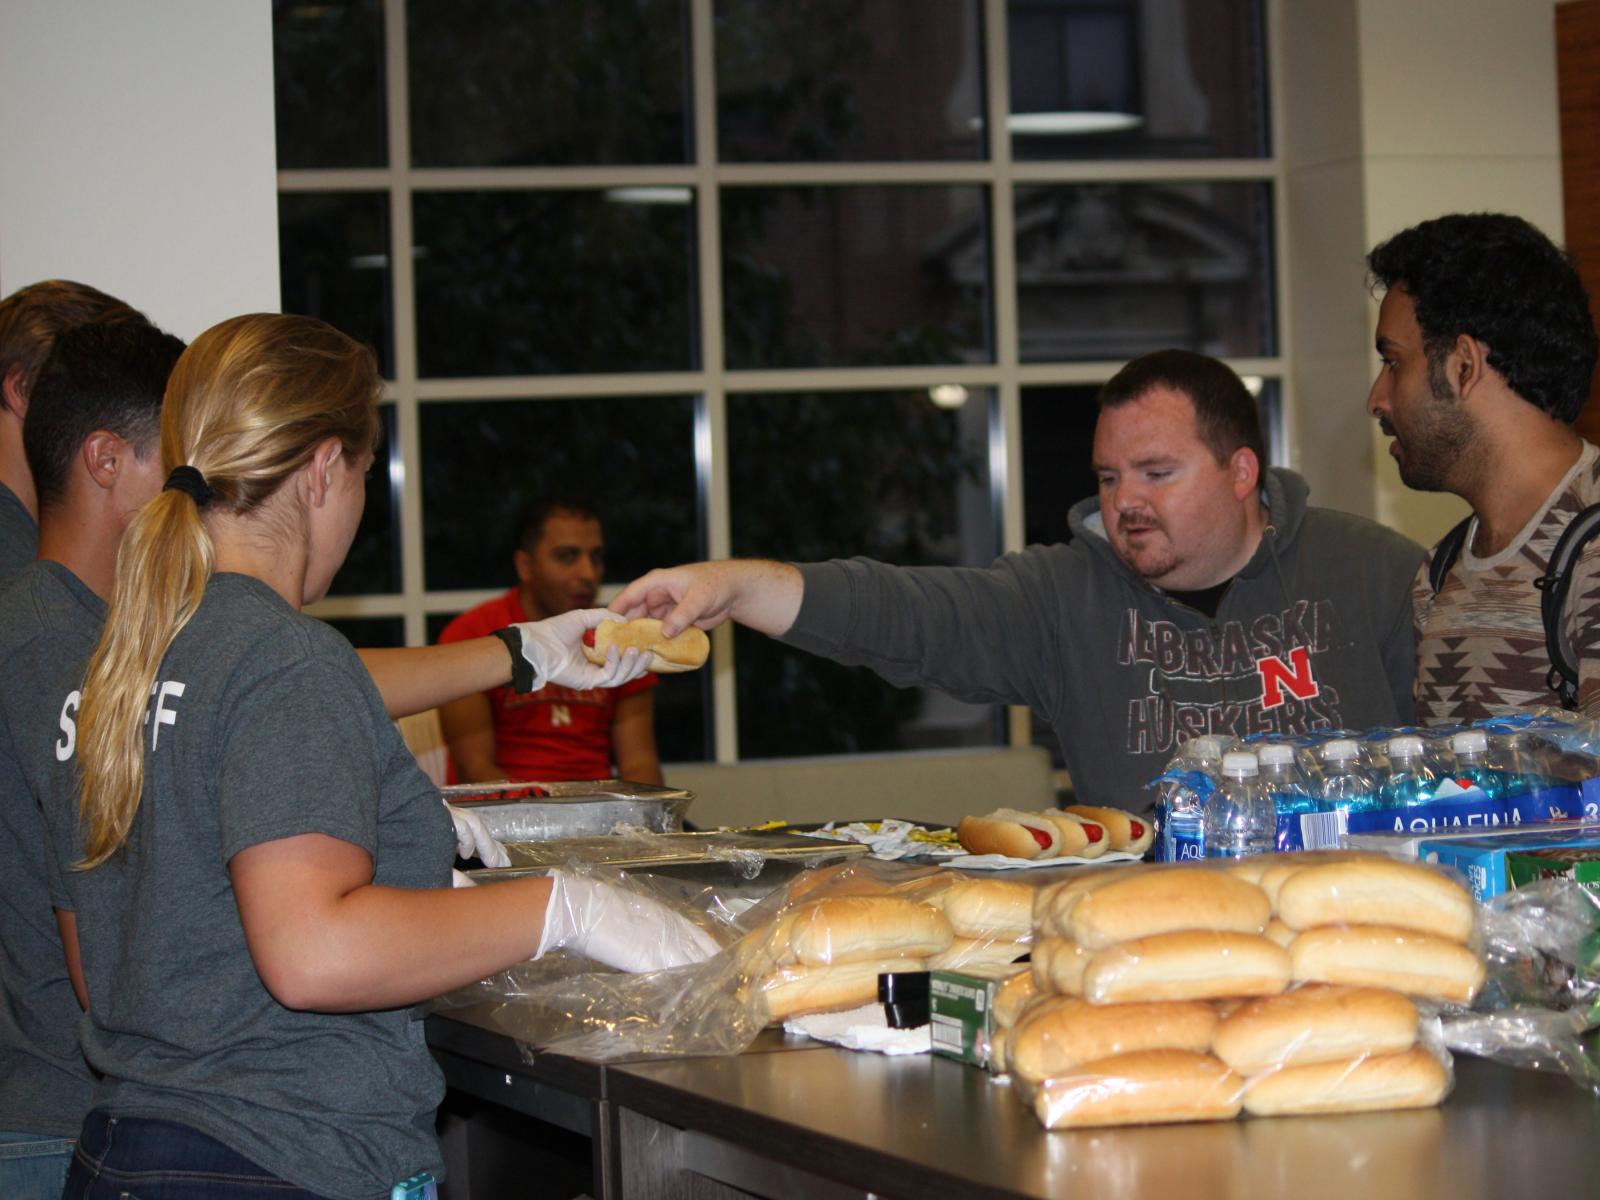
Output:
x=892 y=839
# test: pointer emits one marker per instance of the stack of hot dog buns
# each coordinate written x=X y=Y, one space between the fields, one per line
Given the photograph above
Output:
x=1329 y=1048
x=1376 y=922
x=1078 y=831
x=1187 y=992
x=845 y=927
x=827 y=954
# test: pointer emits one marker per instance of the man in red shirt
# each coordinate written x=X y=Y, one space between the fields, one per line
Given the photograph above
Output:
x=554 y=733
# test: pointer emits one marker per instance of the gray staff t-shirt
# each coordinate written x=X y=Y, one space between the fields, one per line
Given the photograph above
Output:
x=49 y=622
x=19 y=535
x=262 y=725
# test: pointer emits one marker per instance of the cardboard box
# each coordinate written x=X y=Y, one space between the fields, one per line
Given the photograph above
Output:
x=961 y=1009
x=1578 y=863
x=1485 y=860
x=1405 y=845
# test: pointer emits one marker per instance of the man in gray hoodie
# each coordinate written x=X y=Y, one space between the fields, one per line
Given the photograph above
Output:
x=1199 y=594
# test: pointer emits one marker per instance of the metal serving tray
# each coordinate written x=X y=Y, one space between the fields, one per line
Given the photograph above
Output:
x=652 y=851
x=542 y=812
x=740 y=868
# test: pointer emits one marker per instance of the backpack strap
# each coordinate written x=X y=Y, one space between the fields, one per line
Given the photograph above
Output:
x=1553 y=587
x=1446 y=553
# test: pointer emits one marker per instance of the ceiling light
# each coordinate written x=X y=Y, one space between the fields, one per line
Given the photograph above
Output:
x=948 y=395
x=649 y=195
x=1067 y=124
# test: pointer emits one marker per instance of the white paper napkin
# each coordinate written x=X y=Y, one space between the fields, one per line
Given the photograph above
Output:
x=864 y=1028
x=1001 y=862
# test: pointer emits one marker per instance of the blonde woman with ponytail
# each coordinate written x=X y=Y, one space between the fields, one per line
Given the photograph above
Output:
x=258 y=873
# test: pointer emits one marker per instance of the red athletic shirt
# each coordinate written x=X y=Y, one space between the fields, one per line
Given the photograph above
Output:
x=554 y=733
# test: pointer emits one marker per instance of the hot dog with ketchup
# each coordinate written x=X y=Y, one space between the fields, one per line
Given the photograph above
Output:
x=1126 y=831
x=687 y=651
x=1018 y=834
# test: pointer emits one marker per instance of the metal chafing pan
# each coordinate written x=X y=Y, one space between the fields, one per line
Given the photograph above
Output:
x=541 y=812
x=653 y=851
x=741 y=867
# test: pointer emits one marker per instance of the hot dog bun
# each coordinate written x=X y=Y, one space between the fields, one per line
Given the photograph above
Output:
x=685 y=652
x=1192 y=964
x=1011 y=833
x=856 y=928
x=1053 y=903
x=1149 y=901
x=1412 y=1079
x=977 y=952
x=1127 y=832
x=798 y=989
x=1013 y=996
x=1058 y=965
x=987 y=908
x=1146 y=1087
x=1382 y=956
x=1313 y=1024
x=1057 y=1036
x=1376 y=891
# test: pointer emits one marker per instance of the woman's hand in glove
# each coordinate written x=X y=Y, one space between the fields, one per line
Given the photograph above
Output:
x=553 y=647
x=473 y=840
x=618 y=927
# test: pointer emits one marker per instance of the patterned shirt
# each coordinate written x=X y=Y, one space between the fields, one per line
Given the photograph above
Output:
x=1480 y=641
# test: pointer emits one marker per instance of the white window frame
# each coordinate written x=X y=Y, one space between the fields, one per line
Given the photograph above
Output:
x=1006 y=376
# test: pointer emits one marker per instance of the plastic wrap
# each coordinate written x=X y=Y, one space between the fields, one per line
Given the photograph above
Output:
x=1181 y=993
x=1151 y=1087
x=1542 y=997
x=1521 y=767
x=816 y=944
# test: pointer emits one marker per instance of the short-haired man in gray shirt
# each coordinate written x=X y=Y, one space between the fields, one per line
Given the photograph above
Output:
x=30 y=320
x=92 y=443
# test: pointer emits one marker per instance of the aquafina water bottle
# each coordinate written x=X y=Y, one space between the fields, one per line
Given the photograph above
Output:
x=1240 y=819
x=1411 y=781
x=1183 y=804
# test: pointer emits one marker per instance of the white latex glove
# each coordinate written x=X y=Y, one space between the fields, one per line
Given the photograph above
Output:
x=553 y=647
x=475 y=841
x=620 y=928
x=457 y=879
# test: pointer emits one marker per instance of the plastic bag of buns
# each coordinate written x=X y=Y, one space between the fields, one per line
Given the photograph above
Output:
x=1313 y=1049
x=1280 y=985
x=821 y=944
x=1256 y=927
x=817 y=944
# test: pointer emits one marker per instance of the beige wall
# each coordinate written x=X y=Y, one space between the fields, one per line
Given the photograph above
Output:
x=1395 y=111
x=137 y=153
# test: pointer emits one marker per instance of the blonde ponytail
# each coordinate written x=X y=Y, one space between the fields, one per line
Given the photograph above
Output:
x=247 y=405
x=163 y=564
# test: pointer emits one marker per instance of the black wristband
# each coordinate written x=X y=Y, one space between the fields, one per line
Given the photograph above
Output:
x=521 y=668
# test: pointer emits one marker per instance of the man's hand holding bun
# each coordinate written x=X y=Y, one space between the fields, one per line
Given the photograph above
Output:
x=668 y=655
x=765 y=596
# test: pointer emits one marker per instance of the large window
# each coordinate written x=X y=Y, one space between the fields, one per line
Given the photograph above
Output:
x=787 y=278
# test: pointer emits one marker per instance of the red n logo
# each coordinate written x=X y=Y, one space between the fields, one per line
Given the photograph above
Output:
x=1277 y=675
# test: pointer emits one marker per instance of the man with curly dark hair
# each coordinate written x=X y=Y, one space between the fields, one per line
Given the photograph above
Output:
x=1488 y=348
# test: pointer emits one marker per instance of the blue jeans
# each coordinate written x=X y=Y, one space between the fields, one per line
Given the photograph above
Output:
x=32 y=1165
x=132 y=1158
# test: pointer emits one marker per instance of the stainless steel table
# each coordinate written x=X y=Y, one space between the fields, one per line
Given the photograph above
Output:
x=827 y=1123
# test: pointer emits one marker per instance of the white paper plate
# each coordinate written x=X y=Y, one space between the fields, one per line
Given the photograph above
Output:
x=1001 y=862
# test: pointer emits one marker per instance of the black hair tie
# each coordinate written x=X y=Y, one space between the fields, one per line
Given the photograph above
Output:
x=191 y=482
